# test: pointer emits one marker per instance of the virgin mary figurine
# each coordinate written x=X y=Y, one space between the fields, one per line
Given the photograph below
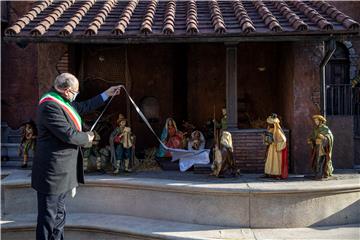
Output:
x=171 y=138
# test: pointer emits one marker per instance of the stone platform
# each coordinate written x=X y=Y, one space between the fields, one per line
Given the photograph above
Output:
x=198 y=202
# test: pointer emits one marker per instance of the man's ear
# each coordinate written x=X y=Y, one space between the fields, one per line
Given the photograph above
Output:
x=61 y=90
x=66 y=91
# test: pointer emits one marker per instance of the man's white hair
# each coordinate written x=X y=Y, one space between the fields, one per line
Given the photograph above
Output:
x=65 y=81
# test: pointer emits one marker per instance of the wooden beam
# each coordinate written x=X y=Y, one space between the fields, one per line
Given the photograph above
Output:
x=226 y=38
x=231 y=86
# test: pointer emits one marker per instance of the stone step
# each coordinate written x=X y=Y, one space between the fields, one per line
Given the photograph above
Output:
x=11 y=162
x=10 y=149
x=202 y=168
x=110 y=226
x=240 y=202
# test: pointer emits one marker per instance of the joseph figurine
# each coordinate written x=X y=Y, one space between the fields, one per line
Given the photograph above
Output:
x=321 y=141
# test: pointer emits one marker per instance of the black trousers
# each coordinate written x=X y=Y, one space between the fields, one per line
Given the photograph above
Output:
x=51 y=216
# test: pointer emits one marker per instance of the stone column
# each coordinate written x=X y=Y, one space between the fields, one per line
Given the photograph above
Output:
x=231 y=86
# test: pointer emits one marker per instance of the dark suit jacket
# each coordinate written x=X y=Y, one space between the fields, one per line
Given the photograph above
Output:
x=57 y=165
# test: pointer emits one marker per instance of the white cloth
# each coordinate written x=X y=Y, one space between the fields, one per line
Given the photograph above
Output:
x=187 y=158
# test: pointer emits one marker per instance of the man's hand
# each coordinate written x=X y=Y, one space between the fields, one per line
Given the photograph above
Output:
x=114 y=90
x=90 y=136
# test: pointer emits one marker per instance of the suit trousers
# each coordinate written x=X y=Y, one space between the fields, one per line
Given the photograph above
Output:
x=51 y=216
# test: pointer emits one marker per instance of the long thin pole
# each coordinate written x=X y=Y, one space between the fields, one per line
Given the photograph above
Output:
x=331 y=47
x=97 y=120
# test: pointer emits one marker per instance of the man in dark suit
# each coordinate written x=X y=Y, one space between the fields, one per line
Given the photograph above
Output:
x=58 y=166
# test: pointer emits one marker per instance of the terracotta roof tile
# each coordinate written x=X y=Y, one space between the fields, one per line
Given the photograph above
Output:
x=169 y=20
x=122 y=24
x=242 y=16
x=313 y=15
x=18 y=26
x=216 y=17
x=336 y=14
x=31 y=14
x=294 y=20
x=268 y=18
x=45 y=24
x=37 y=9
x=148 y=20
x=21 y=24
x=191 y=18
x=100 y=18
x=186 y=19
x=76 y=18
x=24 y=20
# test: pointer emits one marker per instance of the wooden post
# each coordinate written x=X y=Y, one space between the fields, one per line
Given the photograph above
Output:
x=231 y=86
x=128 y=86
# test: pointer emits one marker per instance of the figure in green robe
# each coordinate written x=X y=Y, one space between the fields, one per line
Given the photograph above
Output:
x=222 y=125
x=93 y=151
x=322 y=141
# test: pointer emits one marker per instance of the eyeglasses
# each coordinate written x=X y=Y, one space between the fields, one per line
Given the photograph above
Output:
x=74 y=92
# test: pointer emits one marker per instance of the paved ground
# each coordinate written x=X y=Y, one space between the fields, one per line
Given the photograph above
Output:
x=158 y=229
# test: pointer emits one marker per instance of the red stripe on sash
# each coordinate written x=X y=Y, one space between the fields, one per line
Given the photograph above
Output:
x=47 y=99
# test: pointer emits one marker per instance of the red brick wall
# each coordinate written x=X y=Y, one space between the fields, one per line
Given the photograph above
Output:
x=26 y=74
x=249 y=149
x=19 y=84
x=306 y=78
x=28 y=71
x=18 y=78
x=48 y=56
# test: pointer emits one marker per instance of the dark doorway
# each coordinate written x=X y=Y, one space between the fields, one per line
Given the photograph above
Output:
x=339 y=91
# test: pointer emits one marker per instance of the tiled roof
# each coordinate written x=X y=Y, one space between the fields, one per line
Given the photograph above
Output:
x=121 y=19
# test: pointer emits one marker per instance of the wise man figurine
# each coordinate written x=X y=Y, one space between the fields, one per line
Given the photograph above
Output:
x=276 y=162
x=321 y=141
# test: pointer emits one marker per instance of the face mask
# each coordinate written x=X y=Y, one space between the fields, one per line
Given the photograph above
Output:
x=74 y=97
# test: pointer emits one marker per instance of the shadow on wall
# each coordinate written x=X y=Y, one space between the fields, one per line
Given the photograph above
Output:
x=348 y=215
x=343 y=131
x=357 y=150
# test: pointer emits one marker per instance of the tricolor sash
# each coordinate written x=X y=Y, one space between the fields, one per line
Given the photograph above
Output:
x=54 y=97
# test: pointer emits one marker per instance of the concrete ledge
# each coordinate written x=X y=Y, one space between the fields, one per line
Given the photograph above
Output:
x=238 y=186
x=242 y=202
x=106 y=227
